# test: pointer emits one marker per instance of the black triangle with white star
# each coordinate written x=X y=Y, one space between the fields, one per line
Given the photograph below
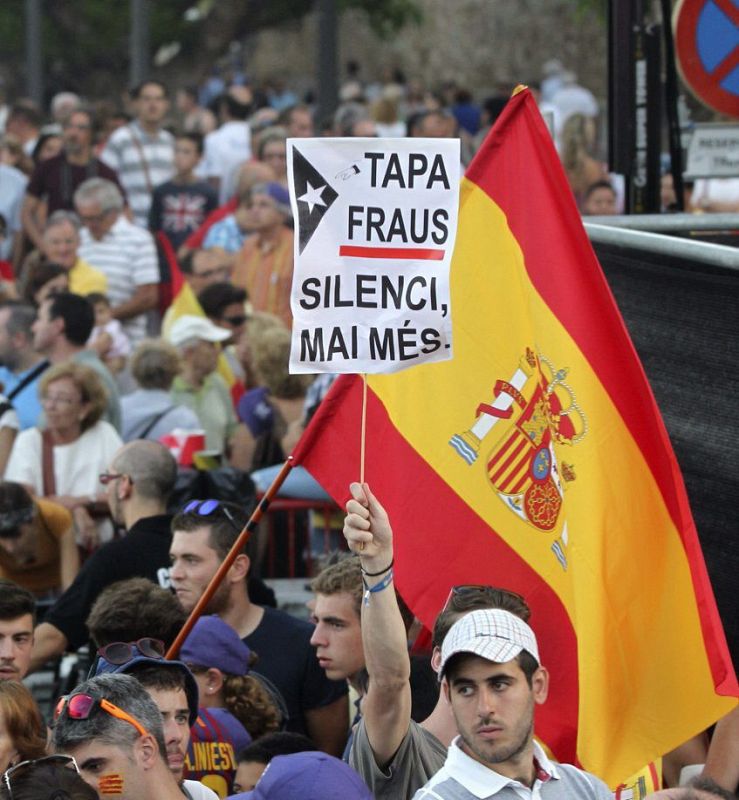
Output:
x=314 y=196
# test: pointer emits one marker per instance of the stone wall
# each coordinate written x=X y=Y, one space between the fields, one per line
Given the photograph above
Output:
x=478 y=43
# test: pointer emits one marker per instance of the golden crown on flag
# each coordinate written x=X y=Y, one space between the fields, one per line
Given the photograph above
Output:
x=530 y=413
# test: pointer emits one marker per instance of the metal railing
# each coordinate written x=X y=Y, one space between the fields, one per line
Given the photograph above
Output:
x=669 y=223
x=631 y=238
x=300 y=538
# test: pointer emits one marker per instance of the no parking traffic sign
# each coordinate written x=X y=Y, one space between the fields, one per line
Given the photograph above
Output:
x=707 y=47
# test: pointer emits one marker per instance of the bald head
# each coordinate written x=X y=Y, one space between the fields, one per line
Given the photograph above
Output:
x=150 y=466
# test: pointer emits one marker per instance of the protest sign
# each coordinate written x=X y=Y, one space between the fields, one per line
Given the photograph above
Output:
x=376 y=221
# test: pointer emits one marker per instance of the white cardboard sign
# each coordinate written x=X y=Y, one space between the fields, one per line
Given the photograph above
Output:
x=375 y=225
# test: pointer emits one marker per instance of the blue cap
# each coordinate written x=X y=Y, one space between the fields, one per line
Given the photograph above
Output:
x=191 y=687
x=308 y=776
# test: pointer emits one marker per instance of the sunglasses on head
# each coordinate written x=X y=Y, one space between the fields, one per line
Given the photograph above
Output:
x=122 y=652
x=81 y=706
x=25 y=767
x=205 y=508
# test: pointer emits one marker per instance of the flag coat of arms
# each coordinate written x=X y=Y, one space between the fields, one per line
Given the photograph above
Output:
x=536 y=460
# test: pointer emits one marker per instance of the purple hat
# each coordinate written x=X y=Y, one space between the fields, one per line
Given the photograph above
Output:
x=278 y=193
x=308 y=776
x=214 y=643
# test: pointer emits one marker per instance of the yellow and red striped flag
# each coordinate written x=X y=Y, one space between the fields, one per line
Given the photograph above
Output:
x=536 y=459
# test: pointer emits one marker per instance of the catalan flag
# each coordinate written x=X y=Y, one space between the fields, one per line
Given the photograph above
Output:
x=536 y=459
x=111 y=784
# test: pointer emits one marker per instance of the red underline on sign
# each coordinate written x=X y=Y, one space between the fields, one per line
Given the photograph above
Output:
x=420 y=253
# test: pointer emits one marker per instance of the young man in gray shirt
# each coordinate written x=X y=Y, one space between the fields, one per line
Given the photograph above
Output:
x=394 y=754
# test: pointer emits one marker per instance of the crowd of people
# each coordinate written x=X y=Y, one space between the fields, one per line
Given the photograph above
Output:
x=145 y=274
x=256 y=703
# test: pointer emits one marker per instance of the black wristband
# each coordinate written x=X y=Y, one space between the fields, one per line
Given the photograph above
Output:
x=375 y=574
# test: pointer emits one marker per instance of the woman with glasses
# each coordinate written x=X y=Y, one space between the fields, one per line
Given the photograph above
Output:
x=62 y=462
x=22 y=730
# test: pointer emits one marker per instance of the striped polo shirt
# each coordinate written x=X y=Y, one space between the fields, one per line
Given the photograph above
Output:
x=464 y=778
x=128 y=258
x=136 y=155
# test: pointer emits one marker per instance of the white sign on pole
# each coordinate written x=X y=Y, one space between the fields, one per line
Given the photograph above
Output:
x=713 y=151
x=375 y=224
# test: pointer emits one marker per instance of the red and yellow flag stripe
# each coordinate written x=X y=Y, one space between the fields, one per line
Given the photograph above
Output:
x=612 y=568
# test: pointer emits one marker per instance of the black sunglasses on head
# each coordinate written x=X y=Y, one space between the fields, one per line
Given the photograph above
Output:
x=122 y=652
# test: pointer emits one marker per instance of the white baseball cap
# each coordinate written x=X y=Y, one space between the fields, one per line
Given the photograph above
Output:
x=188 y=327
x=490 y=633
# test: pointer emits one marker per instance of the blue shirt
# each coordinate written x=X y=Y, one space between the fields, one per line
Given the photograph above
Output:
x=26 y=402
x=225 y=234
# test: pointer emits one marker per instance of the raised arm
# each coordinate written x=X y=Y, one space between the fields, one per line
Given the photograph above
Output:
x=387 y=705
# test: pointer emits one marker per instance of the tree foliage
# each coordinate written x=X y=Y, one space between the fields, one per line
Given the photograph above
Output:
x=85 y=42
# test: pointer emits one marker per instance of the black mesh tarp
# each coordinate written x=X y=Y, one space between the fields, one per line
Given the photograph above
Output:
x=684 y=321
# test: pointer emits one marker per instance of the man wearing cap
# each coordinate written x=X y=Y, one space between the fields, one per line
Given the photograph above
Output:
x=395 y=755
x=202 y=389
x=491 y=676
x=264 y=267
x=172 y=687
x=308 y=776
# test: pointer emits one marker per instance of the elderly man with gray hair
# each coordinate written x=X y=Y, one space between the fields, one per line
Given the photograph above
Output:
x=60 y=241
x=125 y=253
x=114 y=731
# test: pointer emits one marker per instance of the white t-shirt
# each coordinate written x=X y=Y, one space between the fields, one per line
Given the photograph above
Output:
x=12 y=189
x=196 y=791
x=76 y=465
x=225 y=150
x=716 y=190
x=9 y=417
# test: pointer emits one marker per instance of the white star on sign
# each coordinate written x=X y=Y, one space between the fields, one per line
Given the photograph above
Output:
x=312 y=196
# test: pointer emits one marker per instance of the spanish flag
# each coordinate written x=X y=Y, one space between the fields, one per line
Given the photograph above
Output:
x=536 y=460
